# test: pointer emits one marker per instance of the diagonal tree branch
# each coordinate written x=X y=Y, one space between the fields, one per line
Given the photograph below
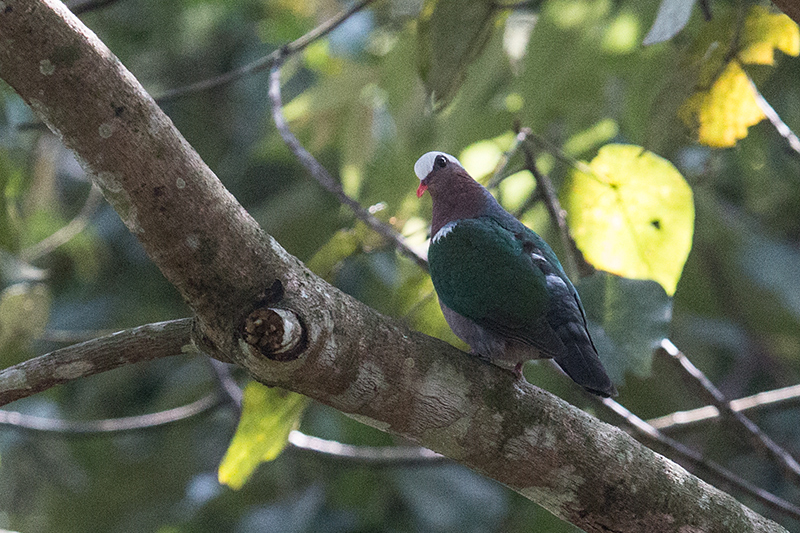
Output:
x=350 y=357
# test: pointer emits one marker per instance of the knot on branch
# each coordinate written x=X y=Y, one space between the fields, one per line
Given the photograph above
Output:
x=277 y=334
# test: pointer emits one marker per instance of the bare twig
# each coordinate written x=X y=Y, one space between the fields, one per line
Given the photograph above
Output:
x=144 y=343
x=693 y=417
x=679 y=452
x=110 y=425
x=227 y=384
x=775 y=119
x=374 y=455
x=574 y=260
x=66 y=233
x=319 y=173
x=499 y=172
x=267 y=61
x=713 y=395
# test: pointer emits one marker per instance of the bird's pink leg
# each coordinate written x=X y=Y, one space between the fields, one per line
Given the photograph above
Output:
x=518 y=370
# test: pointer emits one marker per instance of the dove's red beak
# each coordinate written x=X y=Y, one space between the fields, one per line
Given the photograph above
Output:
x=421 y=189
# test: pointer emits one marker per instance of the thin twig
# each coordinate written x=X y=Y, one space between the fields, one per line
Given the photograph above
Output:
x=319 y=173
x=575 y=262
x=713 y=395
x=267 y=61
x=679 y=452
x=144 y=343
x=65 y=233
x=499 y=171
x=110 y=425
x=693 y=417
x=227 y=385
x=374 y=455
x=775 y=119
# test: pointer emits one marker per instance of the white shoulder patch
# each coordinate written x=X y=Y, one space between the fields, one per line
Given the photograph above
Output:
x=424 y=164
x=443 y=231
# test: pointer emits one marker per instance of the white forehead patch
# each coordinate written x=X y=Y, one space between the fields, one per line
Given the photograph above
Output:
x=424 y=164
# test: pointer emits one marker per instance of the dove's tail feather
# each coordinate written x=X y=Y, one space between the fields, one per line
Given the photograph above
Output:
x=581 y=362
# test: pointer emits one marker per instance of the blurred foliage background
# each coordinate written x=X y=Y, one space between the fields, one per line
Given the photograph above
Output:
x=574 y=72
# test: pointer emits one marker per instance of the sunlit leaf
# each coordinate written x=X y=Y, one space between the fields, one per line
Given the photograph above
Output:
x=452 y=33
x=765 y=32
x=726 y=106
x=627 y=319
x=268 y=415
x=631 y=213
x=671 y=18
x=723 y=113
x=24 y=312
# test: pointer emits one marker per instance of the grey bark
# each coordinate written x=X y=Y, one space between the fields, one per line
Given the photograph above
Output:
x=352 y=358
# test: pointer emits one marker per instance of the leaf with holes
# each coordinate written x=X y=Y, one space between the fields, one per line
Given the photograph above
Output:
x=268 y=415
x=632 y=214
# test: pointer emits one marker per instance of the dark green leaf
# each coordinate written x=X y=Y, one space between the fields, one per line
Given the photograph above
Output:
x=627 y=319
x=451 y=35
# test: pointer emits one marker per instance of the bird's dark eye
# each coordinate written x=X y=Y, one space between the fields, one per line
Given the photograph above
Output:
x=440 y=161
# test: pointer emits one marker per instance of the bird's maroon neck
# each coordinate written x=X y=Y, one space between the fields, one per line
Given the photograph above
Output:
x=455 y=196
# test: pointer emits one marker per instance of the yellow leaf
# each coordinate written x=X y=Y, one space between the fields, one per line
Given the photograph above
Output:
x=631 y=214
x=268 y=415
x=765 y=32
x=726 y=105
x=723 y=113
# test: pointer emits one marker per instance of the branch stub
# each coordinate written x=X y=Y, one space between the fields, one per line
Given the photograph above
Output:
x=275 y=333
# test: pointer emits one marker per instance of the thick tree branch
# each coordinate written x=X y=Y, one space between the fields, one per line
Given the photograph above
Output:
x=353 y=359
x=144 y=343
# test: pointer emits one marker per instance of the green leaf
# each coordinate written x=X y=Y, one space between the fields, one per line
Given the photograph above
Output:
x=10 y=176
x=24 y=312
x=268 y=415
x=627 y=319
x=671 y=18
x=631 y=213
x=343 y=244
x=452 y=33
